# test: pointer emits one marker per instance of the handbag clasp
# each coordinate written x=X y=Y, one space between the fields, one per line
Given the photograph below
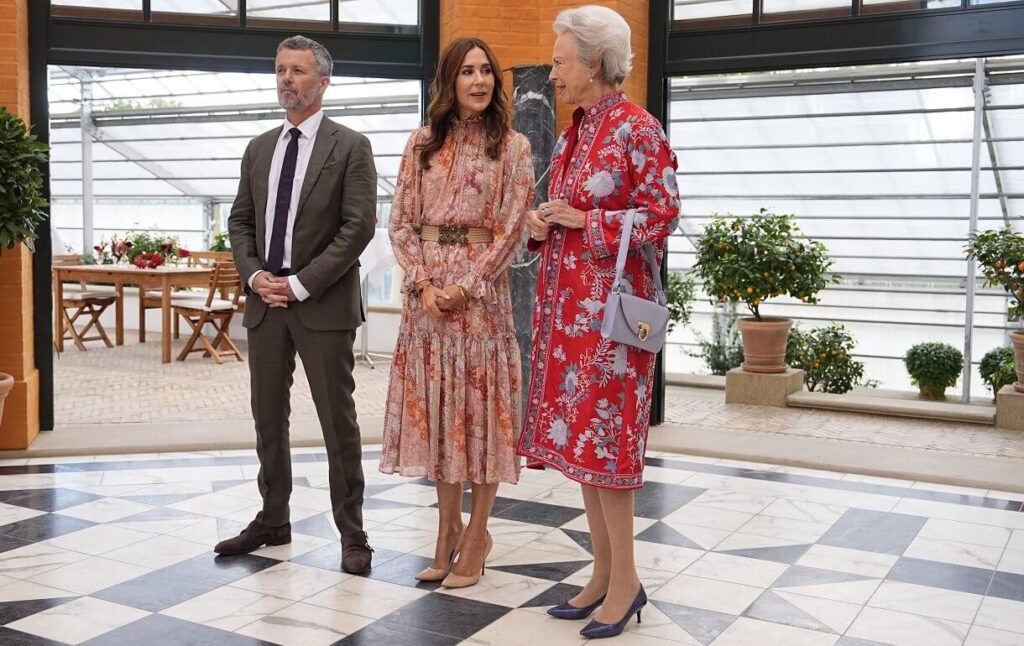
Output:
x=642 y=330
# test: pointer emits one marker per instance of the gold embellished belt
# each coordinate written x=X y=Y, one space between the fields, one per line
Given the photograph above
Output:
x=459 y=234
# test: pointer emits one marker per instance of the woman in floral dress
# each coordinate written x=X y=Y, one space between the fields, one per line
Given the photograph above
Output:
x=453 y=409
x=589 y=399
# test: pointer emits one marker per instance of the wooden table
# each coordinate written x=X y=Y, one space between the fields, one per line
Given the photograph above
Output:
x=163 y=278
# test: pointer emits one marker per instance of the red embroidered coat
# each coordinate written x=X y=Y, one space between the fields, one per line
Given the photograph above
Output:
x=589 y=399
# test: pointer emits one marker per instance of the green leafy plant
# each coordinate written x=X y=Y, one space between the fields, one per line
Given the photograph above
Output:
x=724 y=351
x=998 y=368
x=679 y=291
x=933 y=367
x=140 y=242
x=749 y=260
x=825 y=354
x=1000 y=254
x=222 y=242
x=22 y=207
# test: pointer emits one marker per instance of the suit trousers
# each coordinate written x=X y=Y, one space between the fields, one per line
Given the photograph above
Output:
x=328 y=360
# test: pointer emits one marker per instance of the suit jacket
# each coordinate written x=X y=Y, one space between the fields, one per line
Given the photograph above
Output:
x=334 y=222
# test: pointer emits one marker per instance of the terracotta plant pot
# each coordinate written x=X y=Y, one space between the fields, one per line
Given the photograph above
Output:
x=932 y=392
x=764 y=344
x=1018 y=356
x=6 y=383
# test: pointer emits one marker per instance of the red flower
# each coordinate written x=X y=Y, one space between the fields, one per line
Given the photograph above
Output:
x=148 y=260
x=184 y=253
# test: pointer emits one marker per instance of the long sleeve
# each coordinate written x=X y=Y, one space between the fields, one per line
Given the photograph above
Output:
x=654 y=198
x=405 y=239
x=242 y=223
x=516 y=198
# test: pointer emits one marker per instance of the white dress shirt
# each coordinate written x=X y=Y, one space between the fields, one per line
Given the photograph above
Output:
x=309 y=128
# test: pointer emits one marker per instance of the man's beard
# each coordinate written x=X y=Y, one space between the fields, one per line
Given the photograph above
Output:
x=297 y=100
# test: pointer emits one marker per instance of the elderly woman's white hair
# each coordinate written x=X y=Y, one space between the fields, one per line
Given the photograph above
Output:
x=602 y=35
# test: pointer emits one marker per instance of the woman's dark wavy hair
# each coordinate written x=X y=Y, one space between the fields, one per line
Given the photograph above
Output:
x=444 y=104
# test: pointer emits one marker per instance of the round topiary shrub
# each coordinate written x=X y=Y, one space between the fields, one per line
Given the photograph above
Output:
x=933 y=367
x=998 y=368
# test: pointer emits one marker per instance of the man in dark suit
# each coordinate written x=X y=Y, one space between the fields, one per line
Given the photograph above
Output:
x=305 y=210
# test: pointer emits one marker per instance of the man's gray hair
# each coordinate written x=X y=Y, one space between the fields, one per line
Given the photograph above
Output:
x=602 y=35
x=324 y=62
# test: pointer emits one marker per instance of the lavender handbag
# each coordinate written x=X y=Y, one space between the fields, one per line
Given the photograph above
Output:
x=630 y=319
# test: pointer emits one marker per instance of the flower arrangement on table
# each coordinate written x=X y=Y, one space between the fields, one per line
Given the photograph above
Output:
x=140 y=248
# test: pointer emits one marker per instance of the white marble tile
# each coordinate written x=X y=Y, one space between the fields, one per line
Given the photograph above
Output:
x=410 y=494
x=948 y=488
x=28 y=591
x=1003 y=614
x=213 y=504
x=879 y=480
x=13 y=462
x=787 y=529
x=99 y=539
x=658 y=625
x=208 y=531
x=743 y=541
x=982 y=636
x=1016 y=540
x=299 y=545
x=425 y=518
x=711 y=517
x=158 y=552
x=963 y=513
x=667 y=558
x=927 y=601
x=525 y=490
x=227 y=608
x=14 y=514
x=403 y=539
x=501 y=588
x=521 y=627
x=1012 y=561
x=809 y=512
x=317 y=499
x=952 y=530
x=79 y=620
x=249 y=490
x=513 y=532
x=108 y=491
x=706 y=537
x=903 y=629
x=857 y=592
x=709 y=594
x=932 y=549
x=745 y=632
x=88 y=576
x=579 y=524
x=564 y=496
x=303 y=624
x=557 y=542
x=173 y=476
x=841 y=559
x=67 y=459
x=291 y=581
x=837 y=615
x=105 y=510
x=736 y=569
x=162 y=526
x=26 y=562
x=366 y=597
x=737 y=501
x=387 y=515
x=665 y=475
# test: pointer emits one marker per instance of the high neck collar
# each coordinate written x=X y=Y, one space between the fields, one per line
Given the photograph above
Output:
x=603 y=105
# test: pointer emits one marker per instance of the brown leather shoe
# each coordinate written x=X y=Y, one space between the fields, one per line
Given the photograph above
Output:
x=356 y=553
x=253 y=537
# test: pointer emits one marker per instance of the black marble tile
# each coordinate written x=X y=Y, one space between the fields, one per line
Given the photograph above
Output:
x=328 y=557
x=1007 y=585
x=221 y=569
x=549 y=571
x=11 y=637
x=788 y=554
x=374 y=489
x=447 y=615
x=321 y=526
x=380 y=503
x=25 y=470
x=539 y=513
x=8 y=543
x=402 y=571
x=555 y=595
x=14 y=610
x=158 y=514
x=873 y=531
x=156 y=591
x=703 y=625
x=221 y=485
x=300 y=482
x=46 y=499
x=799 y=575
x=658 y=499
x=500 y=504
x=43 y=528
x=580 y=538
x=381 y=633
x=659 y=532
x=168 y=631
x=960 y=578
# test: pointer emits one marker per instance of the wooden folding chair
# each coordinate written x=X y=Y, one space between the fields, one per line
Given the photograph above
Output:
x=152 y=299
x=218 y=312
x=81 y=301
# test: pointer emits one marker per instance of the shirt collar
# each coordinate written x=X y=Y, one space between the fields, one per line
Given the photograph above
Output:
x=307 y=127
x=603 y=105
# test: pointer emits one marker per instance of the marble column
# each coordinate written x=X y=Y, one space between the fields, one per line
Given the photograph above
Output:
x=533 y=97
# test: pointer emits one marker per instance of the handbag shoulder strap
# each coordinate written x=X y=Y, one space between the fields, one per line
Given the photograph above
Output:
x=648 y=253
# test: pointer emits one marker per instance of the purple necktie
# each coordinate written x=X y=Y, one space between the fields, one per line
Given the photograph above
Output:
x=275 y=257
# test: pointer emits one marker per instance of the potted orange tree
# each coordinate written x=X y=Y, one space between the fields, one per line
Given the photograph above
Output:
x=748 y=261
x=1000 y=254
x=21 y=196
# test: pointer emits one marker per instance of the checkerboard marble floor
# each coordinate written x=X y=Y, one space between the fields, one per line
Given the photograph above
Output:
x=117 y=550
